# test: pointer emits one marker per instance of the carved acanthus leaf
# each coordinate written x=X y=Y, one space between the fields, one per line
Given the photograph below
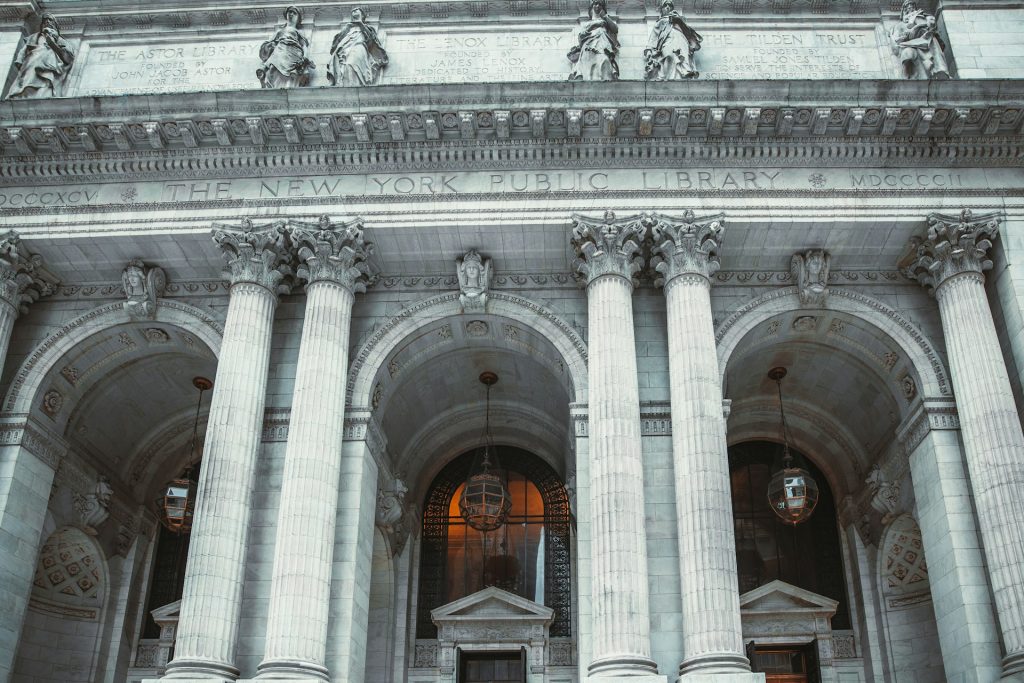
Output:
x=256 y=254
x=23 y=279
x=953 y=245
x=685 y=245
x=607 y=246
x=334 y=252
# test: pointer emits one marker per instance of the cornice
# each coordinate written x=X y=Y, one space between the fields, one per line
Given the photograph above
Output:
x=508 y=125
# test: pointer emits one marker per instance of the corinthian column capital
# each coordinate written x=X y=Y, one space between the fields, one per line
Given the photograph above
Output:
x=954 y=245
x=685 y=246
x=23 y=279
x=257 y=254
x=607 y=246
x=332 y=252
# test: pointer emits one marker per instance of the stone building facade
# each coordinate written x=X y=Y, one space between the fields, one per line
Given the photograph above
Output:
x=630 y=212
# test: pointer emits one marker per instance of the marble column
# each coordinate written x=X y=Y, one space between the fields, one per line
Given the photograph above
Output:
x=608 y=258
x=686 y=255
x=949 y=261
x=333 y=259
x=210 y=607
x=26 y=468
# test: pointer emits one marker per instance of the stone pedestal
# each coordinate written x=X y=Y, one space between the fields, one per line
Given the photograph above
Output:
x=687 y=256
x=212 y=597
x=333 y=259
x=607 y=258
x=950 y=261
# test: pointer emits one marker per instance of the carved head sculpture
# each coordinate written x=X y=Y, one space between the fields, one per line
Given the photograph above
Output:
x=473 y=266
x=134 y=278
x=909 y=6
x=293 y=15
x=598 y=8
x=667 y=7
x=48 y=21
x=358 y=14
x=104 y=491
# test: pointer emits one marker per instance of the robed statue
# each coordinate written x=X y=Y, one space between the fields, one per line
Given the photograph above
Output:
x=43 y=62
x=916 y=40
x=597 y=46
x=286 y=62
x=669 y=52
x=357 y=56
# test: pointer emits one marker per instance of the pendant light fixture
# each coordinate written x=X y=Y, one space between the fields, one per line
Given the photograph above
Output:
x=485 y=502
x=178 y=499
x=792 y=491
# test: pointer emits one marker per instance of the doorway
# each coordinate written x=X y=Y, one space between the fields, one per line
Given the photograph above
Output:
x=492 y=667
x=786 y=664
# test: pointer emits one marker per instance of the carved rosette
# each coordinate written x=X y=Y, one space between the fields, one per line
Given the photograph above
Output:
x=23 y=280
x=954 y=245
x=685 y=246
x=607 y=246
x=256 y=254
x=333 y=253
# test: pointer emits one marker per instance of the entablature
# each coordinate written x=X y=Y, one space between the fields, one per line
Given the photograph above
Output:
x=977 y=122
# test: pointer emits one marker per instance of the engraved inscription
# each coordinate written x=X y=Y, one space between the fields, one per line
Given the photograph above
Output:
x=171 y=68
x=475 y=55
x=796 y=54
x=504 y=183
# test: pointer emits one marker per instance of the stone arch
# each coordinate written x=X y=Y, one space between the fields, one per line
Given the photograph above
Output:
x=932 y=377
x=30 y=377
x=373 y=353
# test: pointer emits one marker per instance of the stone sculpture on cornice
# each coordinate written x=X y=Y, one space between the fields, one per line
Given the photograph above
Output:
x=670 y=48
x=916 y=40
x=597 y=46
x=810 y=270
x=42 y=63
x=357 y=55
x=286 y=62
x=141 y=287
x=474 y=280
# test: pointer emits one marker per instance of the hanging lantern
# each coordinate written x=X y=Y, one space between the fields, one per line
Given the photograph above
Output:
x=177 y=501
x=485 y=502
x=792 y=491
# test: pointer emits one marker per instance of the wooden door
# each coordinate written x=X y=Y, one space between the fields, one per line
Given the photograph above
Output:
x=492 y=667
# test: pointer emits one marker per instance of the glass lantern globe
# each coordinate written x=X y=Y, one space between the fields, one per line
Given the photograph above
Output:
x=793 y=493
x=485 y=502
x=177 y=503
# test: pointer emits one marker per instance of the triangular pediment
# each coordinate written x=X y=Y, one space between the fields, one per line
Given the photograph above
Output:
x=779 y=596
x=492 y=603
x=168 y=612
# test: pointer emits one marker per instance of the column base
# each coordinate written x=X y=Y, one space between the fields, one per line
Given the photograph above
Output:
x=1013 y=668
x=625 y=678
x=616 y=667
x=291 y=670
x=200 y=670
x=704 y=677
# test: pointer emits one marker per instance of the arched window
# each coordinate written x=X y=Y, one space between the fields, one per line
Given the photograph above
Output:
x=528 y=556
x=808 y=555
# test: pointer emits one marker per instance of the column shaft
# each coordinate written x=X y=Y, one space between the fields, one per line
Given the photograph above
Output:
x=712 y=633
x=303 y=552
x=212 y=599
x=621 y=641
x=994 y=444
